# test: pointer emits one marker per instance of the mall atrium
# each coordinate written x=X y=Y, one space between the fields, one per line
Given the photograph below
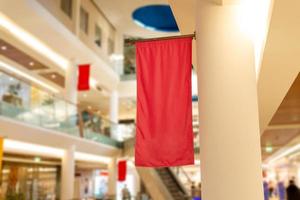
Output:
x=60 y=142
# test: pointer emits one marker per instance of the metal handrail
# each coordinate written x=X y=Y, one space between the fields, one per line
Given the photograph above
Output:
x=184 y=173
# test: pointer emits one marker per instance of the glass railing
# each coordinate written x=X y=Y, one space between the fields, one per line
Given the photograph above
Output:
x=43 y=116
x=25 y=103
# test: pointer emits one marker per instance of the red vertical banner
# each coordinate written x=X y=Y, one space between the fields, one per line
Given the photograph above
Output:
x=164 y=134
x=83 y=77
x=122 y=170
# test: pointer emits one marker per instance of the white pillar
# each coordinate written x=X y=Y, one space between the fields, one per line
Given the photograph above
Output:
x=112 y=177
x=228 y=110
x=71 y=79
x=118 y=63
x=118 y=56
x=68 y=173
x=114 y=106
x=114 y=113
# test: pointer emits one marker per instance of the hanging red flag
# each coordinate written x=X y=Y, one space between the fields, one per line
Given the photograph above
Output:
x=164 y=135
x=83 y=77
x=122 y=170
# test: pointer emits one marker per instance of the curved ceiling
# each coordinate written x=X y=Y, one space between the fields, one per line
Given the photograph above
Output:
x=155 y=17
x=119 y=13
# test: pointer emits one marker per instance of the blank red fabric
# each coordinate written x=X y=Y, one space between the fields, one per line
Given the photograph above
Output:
x=122 y=170
x=83 y=77
x=164 y=135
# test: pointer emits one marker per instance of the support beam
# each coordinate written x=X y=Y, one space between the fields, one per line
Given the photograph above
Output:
x=114 y=114
x=228 y=111
x=68 y=173
x=71 y=82
x=112 y=178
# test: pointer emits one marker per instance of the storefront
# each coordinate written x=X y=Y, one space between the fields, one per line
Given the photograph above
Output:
x=30 y=178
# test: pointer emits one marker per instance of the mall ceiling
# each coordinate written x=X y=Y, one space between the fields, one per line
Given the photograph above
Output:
x=13 y=53
x=119 y=12
x=20 y=57
x=285 y=124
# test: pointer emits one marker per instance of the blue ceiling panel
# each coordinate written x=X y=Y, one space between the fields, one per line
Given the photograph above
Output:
x=156 y=17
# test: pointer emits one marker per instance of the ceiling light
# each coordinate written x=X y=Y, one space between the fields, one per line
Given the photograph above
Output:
x=32 y=42
x=31 y=63
x=89 y=107
x=23 y=147
x=93 y=82
x=53 y=76
x=37 y=159
x=24 y=75
x=92 y=158
x=3 y=48
x=283 y=153
x=269 y=149
x=254 y=19
x=13 y=146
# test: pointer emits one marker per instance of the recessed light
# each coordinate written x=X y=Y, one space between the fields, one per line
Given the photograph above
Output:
x=26 y=76
x=37 y=159
x=269 y=149
x=28 y=39
x=89 y=107
x=31 y=63
x=3 y=48
x=53 y=76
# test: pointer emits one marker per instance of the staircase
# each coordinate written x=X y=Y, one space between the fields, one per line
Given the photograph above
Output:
x=172 y=184
x=161 y=183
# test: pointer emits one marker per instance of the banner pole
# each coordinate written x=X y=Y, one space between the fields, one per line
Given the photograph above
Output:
x=133 y=41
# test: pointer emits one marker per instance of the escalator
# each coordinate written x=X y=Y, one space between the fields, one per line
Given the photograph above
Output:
x=160 y=183
x=172 y=183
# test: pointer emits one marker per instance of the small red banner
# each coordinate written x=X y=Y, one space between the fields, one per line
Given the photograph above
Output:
x=122 y=170
x=83 y=77
x=103 y=173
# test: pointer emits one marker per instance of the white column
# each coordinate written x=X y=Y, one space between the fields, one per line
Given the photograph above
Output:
x=68 y=173
x=228 y=111
x=114 y=106
x=118 y=56
x=118 y=63
x=112 y=177
x=114 y=113
x=71 y=79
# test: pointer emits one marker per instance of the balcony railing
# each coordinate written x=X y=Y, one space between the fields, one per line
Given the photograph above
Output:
x=25 y=103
